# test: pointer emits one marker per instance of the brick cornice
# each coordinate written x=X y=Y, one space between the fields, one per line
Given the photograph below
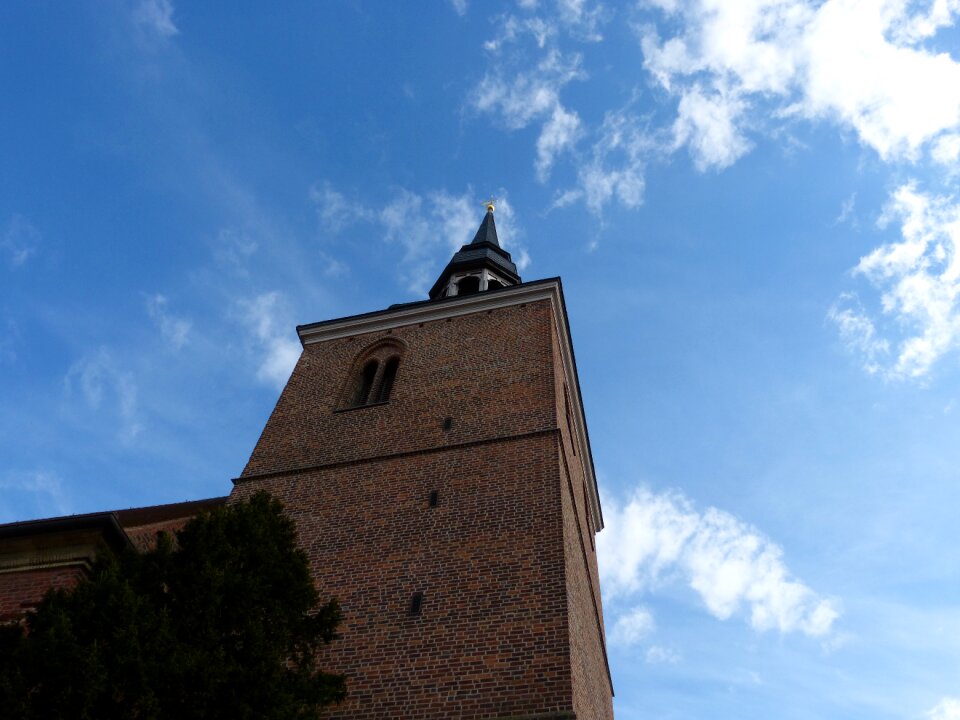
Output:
x=392 y=456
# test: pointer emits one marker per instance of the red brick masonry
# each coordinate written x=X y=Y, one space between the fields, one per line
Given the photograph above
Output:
x=510 y=623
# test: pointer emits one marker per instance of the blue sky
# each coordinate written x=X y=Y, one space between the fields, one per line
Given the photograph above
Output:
x=755 y=209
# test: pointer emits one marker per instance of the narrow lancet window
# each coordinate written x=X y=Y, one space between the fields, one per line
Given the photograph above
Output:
x=389 y=375
x=366 y=383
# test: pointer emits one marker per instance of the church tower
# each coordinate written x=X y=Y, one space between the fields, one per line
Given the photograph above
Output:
x=435 y=458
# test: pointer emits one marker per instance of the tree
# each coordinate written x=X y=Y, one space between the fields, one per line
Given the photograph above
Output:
x=223 y=622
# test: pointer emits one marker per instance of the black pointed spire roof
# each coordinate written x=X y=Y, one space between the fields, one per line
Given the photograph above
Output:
x=484 y=251
x=487 y=232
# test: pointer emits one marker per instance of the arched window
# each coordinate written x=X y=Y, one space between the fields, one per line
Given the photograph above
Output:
x=389 y=375
x=373 y=374
x=367 y=376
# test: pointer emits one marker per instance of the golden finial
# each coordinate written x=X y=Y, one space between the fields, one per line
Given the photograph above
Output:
x=490 y=203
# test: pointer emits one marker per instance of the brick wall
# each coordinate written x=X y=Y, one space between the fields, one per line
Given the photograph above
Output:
x=592 y=684
x=491 y=639
x=490 y=372
x=507 y=627
x=23 y=589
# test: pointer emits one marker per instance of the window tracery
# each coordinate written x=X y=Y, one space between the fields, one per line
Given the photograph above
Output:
x=373 y=374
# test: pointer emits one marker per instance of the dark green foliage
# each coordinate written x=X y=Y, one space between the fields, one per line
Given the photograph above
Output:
x=223 y=623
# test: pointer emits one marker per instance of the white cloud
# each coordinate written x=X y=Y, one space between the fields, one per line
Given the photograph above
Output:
x=512 y=28
x=652 y=539
x=534 y=96
x=155 y=17
x=918 y=277
x=519 y=94
x=105 y=387
x=527 y=96
x=947 y=709
x=946 y=150
x=616 y=167
x=560 y=132
x=707 y=124
x=632 y=627
x=174 y=330
x=19 y=240
x=404 y=221
x=459 y=6
x=859 y=63
x=522 y=259
x=456 y=217
x=657 y=655
x=734 y=70
x=279 y=350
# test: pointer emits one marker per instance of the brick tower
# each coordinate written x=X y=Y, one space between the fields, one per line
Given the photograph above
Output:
x=435 y=458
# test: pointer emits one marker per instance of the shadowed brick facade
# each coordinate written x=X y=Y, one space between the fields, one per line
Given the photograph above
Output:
x=41 y=554
x=451 y=508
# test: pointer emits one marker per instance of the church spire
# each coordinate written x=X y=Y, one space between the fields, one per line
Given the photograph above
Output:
x=488 y=228
x=479 y=266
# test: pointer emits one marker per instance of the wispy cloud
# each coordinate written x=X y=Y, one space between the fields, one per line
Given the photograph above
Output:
x=530 y=65
x=232 y=249
x=632 y=627
x=332 y=267
x=616 y=167
x=155 y=18
x=558 y=133
x=918 y=277
x=582 y=18
x=334 y=210
x=846 y=211
x=19 y=240
x=947 y=709
x=733 y=72
x=105 y=388
x=426 y=225
x=858 y=332
x=655 y=538
x=520 y=98
x=460 y=6
x=174 y=330
x=657 y=654
x=275 y=343
x=10 y=338
x=37 y=492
